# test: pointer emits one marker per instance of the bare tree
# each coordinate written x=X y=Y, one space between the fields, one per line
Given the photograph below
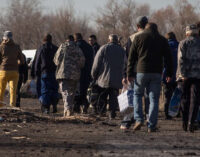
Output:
x=120 y=18
x=28 y=23
x=187 y=15
x=25 y=20
x=176 y=18
x=61 y=24
x=165 y=19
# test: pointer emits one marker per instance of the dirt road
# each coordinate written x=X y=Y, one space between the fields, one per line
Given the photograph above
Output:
x=28 y=133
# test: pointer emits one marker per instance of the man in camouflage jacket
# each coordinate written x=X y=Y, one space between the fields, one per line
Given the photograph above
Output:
x=69 y=60
x=188 y=73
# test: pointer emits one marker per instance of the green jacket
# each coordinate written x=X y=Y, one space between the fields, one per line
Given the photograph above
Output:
x=148 y=53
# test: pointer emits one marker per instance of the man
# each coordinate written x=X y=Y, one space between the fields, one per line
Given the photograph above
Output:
x=23 y=77
x=93 y=43
x=108 y=71
x=169 y=87
x=141 y=23
x=45 y=67
x=189 y=73
x=147 y=53
x=69 y=60
x=33 y=74
x=85 y=78
x=10 y=59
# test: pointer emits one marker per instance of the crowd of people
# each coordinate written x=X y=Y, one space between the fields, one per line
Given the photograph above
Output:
x=76 y=67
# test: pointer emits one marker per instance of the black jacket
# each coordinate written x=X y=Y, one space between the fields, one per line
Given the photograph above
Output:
x=148 y=52
x=44 y=59
x=95 y=47
x=86 y=71
x=23 y=71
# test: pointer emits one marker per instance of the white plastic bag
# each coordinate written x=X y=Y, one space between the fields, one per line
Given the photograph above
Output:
x=125 y=101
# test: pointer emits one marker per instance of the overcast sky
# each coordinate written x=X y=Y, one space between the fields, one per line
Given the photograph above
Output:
x=89 y=6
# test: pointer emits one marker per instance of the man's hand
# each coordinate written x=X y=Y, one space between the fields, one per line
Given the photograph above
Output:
x=124 y=81
x=183 y=78
x=168 y=79
x=130 y=79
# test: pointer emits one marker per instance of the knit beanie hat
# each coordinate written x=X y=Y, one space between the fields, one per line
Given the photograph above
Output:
x=7 y=35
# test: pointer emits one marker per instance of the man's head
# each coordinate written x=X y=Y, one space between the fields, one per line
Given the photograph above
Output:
x=47 y=38
x=78 y=36
x=191 y=30
x=141 y=22
x=92 y=39
x=170 y=35
x=198 y=26
x=70 y=38
x=113 y=38
x=152 y=26
x=7 y=35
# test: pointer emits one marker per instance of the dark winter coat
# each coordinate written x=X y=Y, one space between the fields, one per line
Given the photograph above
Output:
x=23 y=71
x=44 y=61
x=95 y=47
x=85 y=78
x=108 y=66
x=189 y=58
x=173 y=44
x=148 y=51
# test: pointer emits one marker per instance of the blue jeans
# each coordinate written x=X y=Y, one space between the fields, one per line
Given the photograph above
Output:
x=49 y=90
x=152 y=82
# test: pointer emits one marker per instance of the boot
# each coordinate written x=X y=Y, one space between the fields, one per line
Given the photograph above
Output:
x=54 y=109
x=112 y=115
x=191 y=128
x=44 y=109
x=185 y=126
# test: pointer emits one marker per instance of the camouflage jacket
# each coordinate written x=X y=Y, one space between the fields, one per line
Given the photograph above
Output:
x=69 y=60
x=189 y=58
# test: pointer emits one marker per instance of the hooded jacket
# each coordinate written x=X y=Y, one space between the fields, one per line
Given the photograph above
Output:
x=44 y=62
x=10 y=56
x=173 y=44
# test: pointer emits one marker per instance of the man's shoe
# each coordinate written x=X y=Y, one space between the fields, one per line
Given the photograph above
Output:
x=54 y=109
x=17 y=104
x=2 y=104
x=68 y=113
x=112 y=115
x=85 y=109
x=125 y=125
x=168 y=118
x=76 y=109
x=185 y=126
x=191 y=128
x=94 y=110
x=137 y=126
x=149 y=130
x=44 y=109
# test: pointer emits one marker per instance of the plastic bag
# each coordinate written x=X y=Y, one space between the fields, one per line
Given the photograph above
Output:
x=125 y=101
x=175 y=102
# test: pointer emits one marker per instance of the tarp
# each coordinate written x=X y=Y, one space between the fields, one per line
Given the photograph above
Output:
x=29 y=53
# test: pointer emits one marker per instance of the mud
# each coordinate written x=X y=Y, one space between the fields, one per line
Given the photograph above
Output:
x=28 y=133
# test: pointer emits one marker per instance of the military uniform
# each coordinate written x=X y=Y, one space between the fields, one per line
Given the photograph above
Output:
x=69 y=60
